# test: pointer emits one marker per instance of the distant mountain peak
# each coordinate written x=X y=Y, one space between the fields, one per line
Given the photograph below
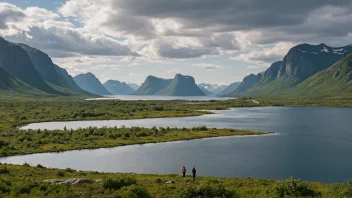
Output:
x=89 y=82
x=118 y=88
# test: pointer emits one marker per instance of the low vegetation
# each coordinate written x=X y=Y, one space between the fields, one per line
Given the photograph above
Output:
x=26 y=181
x=15 y=142
x=19 y=111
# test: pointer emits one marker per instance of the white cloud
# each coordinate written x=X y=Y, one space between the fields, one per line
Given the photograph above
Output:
x=266 y=55
x=173 y=71
x=207 y=66
x=133 y=74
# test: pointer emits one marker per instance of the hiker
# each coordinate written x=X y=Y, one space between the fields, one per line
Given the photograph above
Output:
x=194 y=171
x=183 y=171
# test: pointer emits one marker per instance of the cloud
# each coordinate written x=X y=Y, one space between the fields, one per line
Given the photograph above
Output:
x=265 y=56
x=207 y=66
x=40 y=28
x=151 y=30
x=173 y=71
x=9 y=13
x=133 y=74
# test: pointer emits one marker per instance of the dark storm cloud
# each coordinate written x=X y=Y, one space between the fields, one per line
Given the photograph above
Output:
x=238 y=14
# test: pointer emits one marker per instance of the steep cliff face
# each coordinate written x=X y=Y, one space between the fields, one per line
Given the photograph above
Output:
x=43 y=64
x=16 y=62
x=182 y=86
x=300 y=63
x=335 y=80
x=152 y=85
x=90 y=83
x=118 y=88
x=247 y=83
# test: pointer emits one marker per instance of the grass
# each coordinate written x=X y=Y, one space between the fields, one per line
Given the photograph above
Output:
x=26 y=181
x=19 y=142
x=19 y=111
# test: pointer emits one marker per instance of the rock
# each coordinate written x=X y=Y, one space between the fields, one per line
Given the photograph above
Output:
x=71 y=181
x=169 y=182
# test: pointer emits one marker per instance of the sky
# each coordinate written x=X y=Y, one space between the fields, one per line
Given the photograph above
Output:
x=214 y=41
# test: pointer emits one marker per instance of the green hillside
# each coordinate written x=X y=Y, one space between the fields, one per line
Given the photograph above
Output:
x=335 y=80
x=301 y=62
x=15 y=61
x=11 y=86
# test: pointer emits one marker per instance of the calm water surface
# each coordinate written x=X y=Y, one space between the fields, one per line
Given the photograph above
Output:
x=311 y=143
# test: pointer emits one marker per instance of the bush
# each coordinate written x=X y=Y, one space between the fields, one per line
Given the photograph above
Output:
x=4 y=188
x=206 y=191
x=135 y=191
x=4 y=170
x=341 y=190
x=116 y=183
x=294 y=187
x=40 y=166
x=60 y=173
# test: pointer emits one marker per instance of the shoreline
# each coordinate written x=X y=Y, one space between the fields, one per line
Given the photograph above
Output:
x=145 y=144
x=208 y=135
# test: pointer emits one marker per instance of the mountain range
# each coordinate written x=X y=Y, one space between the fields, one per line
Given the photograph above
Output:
x=295 y=74
x=232 y=87
x=118 y=88
x=214 y=89
x=26 y=70
x=91 y=84
x=179 y=86
x=306 y=70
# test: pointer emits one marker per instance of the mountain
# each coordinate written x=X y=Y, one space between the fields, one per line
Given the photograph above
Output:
x=133 y=86
x=66 y=80
x=207 y=92
x=301 y=62
x=118 y=88
x=152 y=85
x=182 y=86
x=43 y=64
x=90 y=83
x=232 y=87
x=213 y=88
x=49 y=71
x=16 y=62
x=335 y=80
x=10 y=84
x=247 y=83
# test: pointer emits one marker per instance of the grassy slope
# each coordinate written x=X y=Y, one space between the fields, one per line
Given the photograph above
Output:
x=25 y=181
x=335 y=80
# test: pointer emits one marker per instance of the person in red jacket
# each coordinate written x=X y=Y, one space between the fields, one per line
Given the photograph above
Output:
x=183 y=171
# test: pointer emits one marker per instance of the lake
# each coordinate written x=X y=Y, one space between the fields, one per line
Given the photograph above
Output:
x=310 y=143
x=187 y=98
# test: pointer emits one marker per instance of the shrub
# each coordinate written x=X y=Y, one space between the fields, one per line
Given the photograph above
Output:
x=206 y=191
x=341 y=190
x=135 y=191
x=69 y=170
x=4 y=188
x=116 y=183
x=60 y=173
x=294 y=187
x=4 y=170
x=40 y=166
